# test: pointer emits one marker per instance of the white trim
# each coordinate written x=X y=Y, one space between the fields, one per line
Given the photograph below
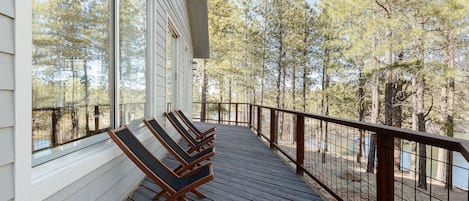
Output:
x=175 y=34
x=23 y=100
x=175 y=74
x=187 y=70
x=170 y=23
x=51 y=177
x=50 y=154
x=116 y=61
x=151 y=58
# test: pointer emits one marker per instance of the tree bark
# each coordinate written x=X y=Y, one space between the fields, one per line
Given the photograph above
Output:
x=374 y=119
x=325 y=98
x=422 y=179
x=420 y=98
x=203 y=108
x=398 y=100
x=361 y=114
x=413 y=156
x=264 y=52
x=305 y=54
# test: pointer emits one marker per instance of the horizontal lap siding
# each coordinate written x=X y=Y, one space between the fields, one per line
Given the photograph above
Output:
x=7 y=53
x=175 y=10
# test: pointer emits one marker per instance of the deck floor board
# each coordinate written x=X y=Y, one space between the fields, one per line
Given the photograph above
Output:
x=244 y=169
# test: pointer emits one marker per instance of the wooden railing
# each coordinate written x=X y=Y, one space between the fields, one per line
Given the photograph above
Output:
x=338 y=153
x=55 y=126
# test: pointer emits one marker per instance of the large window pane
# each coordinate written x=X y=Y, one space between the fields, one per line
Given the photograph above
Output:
x=71 y=62
x=132 y=17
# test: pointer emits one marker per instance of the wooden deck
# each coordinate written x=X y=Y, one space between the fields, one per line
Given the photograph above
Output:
x=244 y=169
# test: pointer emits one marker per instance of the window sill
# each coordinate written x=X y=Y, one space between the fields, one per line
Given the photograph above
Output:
x=52 y=176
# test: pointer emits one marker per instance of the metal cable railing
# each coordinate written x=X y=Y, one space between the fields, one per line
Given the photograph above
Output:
x=357 y=160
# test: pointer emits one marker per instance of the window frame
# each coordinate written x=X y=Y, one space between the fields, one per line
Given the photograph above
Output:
x=42 y=181
x=175 y=40
x=50 y=154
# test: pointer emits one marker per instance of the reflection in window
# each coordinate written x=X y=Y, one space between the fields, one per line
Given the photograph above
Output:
x=71 y=54
x=132 y=17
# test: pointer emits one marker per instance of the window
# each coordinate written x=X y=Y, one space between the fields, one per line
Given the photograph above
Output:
x=74 y=65
x=171 y=68
x=71 y=65
x=132 y=40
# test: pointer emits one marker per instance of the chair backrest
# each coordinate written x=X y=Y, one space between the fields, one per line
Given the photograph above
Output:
x=166 y=140
x=187 y=121
x=180 y=127
x=143 y=158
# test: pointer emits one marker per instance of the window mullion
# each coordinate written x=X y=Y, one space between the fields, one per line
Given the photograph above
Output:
x=115 y=64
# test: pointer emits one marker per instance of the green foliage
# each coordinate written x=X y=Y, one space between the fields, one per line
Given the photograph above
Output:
x=345 y=40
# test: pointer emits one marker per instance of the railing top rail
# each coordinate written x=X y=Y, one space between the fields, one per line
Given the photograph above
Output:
x=224 y=103
x=446 y=142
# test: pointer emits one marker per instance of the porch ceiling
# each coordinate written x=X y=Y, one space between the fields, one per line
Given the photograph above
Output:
x=198 y=19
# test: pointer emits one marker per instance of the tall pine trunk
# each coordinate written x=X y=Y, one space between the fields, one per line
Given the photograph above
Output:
x=361 y=113
x=398 y=99
x=420 y=104
x=374 y=119
x=305 y=54
x=203 y=108
x=415 y=127
x=325 y=99
x=450 y=111
x=279 y=63
x=422 y=164
x=445 y=172
x=264 y=52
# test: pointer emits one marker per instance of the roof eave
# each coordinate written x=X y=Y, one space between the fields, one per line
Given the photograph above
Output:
x=198 y=20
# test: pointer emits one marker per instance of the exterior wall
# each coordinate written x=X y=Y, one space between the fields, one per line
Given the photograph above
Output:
x=97 y=172
x=115 y=179
x=7 y=89
x=184 y=61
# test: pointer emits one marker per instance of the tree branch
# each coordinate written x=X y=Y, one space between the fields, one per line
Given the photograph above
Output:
x=383 y=7
x=429 y=109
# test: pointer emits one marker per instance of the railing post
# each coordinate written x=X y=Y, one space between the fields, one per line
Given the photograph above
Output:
x=250 y=116
x=385 y=172
x=219 y=113
x=236 y=113
x=259 y=120
x=273 y=128
x=96 y=118
x=54 y=128
x=300 y=143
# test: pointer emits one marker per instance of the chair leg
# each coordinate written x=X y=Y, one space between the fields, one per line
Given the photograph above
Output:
x=198 y=193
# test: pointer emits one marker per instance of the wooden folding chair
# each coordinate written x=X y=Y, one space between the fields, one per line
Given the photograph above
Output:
x=196 y=145
x=174 y=186
x=187 y=160
x=193 y=128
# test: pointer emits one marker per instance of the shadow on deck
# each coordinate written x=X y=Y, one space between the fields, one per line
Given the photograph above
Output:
x=244 y=169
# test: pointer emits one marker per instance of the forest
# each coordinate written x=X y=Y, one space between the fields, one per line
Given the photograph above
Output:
x=397 y=63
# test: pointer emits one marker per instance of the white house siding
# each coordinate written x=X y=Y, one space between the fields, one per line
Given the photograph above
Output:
x=111 y=181
x=7 y=53
x=178 y=14
x=115 y=179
